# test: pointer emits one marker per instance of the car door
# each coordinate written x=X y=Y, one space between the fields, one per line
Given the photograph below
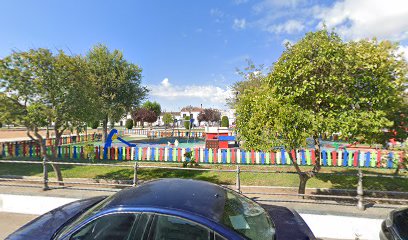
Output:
x=166 y=227
x=120 y=226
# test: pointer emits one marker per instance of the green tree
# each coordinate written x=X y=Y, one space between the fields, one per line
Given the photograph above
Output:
x=321 y=85
x=153 y=106
x=167 y=119
x=129 y=124
x=38 y=87
x=94 y=124
x=117 y=83
x=187 y=122
x=224 y=121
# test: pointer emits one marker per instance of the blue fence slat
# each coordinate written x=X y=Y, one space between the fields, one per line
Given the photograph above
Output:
x=390 y=158
x=75 y=152
x=345 y=158
x=283 y=156
x=224 y=155
x=105 y=153
x=30 y=150
x=17 y=147
x=324 y=156
x=367 y=159
x=262 y=157
x=243 y=156
x=59 y=151
x=206 y=155
x=136 y=153
x=188 y=150
x=303 y=156
x=120 y=153
x=153 y=152
x=170 y=154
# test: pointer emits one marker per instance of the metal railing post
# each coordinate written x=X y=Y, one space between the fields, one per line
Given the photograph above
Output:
x=238 y=180
x=360 y=191
x=45 y=175
x=135 y=174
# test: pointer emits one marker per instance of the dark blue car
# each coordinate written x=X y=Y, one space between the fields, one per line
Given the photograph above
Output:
x=167 y=209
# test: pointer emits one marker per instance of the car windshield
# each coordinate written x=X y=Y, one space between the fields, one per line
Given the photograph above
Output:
x=247 y=217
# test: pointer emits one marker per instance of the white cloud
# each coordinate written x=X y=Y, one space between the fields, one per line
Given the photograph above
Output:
x=215 y=12
x=367 y=18
x=239 y=24
x=207 y=93
x=165 y=83
x=291 y=26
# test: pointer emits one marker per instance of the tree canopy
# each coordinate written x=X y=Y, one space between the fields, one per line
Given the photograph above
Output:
x=117 y=83
x=167 y=119
x=224 y=121
x=39 y=87
x=209 y=115
x=153 y=106
x=322 y=85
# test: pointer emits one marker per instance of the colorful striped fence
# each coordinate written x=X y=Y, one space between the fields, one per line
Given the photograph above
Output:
x=163 y=133
x=74 y=139
x=51 y=141
x=304 y=157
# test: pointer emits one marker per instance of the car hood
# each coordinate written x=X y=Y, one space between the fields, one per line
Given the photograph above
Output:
x=289 y=224
x=44 y=227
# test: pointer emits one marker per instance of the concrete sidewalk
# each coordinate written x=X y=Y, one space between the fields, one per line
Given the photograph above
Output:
x=310 y=207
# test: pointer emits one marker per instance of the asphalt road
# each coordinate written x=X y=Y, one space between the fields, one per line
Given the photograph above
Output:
x=9 y=222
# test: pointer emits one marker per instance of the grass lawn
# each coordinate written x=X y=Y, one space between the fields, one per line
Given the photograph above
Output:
x=325 y=180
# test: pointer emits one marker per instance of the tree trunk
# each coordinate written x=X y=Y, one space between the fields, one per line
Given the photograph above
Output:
x=303 y=177
x=56 y=168
x=47 y=134
x=40 y=140
x=105 y=129
x=316 y=140
x=86 y=132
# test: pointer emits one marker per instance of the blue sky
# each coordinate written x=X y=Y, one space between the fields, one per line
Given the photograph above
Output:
x=189 y=50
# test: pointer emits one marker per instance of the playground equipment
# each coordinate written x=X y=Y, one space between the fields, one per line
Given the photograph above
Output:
x=218 y=138
x=113 y=134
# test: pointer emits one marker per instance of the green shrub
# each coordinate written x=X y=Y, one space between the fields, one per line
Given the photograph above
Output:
x=1 y=125
x=224 y=121
x=187 y=122
x=129 y=124
x=94 y=125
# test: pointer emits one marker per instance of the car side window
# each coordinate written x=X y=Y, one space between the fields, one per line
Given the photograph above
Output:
x=112 y=226
x=218 y=237
x=169 y=227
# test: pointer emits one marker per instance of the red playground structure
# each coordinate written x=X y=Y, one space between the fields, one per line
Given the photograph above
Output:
x=218 y=138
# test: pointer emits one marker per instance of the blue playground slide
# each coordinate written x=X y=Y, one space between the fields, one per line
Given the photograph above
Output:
x=114 y=135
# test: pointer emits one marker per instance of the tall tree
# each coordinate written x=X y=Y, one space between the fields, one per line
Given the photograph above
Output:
x=153 y=106
x=117 y=82
x=143 y=115
x=39 y=87
x=209 y=115
x=167 y=119
x=321 y=85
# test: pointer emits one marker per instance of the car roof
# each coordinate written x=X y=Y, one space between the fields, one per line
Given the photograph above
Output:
x=196 y=197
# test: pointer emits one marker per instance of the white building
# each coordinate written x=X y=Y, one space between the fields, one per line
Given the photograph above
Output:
x=230 y=113
x=192 y=112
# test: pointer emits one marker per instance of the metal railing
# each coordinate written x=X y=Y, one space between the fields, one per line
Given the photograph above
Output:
x=359 y=197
